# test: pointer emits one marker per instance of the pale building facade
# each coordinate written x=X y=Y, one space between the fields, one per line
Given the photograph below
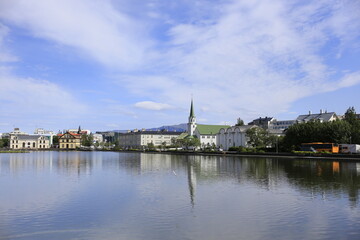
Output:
x=29 y=141
x=141 y=139
x=233 y=136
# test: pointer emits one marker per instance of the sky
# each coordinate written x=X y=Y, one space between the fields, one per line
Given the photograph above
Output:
x=126 y=64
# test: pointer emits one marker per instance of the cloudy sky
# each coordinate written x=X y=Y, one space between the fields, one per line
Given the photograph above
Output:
x=124 y=64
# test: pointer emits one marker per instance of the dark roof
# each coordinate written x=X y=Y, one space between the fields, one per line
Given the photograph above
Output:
x=28 y=137
x=317 y=116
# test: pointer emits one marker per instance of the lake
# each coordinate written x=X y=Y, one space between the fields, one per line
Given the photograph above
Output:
x=112 y=195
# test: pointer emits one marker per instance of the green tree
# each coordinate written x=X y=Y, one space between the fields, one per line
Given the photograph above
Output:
x=316 y=131
x=151 y=146
x=87 y=140
x=239 y=122
x=350 y=115
x=55 y=141
x=189 y=142
x=258 y=137
x=4 y=142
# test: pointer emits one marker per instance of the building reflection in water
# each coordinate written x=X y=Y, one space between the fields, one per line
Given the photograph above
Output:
x=310 y=177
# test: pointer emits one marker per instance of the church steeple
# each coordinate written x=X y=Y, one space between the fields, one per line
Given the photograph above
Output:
x=192 y=120
x=192 y=110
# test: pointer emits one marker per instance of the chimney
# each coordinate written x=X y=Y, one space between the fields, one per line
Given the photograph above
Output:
x=321 y=111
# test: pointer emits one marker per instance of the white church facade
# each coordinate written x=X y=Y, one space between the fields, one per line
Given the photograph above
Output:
x=207 y=134
x=233 y=137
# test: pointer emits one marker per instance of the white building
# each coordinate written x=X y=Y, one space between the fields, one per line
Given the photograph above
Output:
x=207 y=134
x=233 y=136
x=141 y=139
x=98 y=138
x=19 y=141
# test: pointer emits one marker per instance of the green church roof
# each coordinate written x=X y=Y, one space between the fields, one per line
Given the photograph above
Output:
x=210 y=129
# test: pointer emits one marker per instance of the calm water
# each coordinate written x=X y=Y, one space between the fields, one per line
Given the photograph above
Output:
x=104 y=195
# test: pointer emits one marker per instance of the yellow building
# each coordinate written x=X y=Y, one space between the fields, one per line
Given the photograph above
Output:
x=69 y=140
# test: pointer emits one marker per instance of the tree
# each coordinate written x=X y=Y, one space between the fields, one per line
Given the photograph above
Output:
x=239 y=122
x=87 y=140
x=55 y=141
x=4 y=142
x=151 y=146
x=350 y=115
x=163 y=145
x=258 y=137
x=316 y=131
x=189 y=142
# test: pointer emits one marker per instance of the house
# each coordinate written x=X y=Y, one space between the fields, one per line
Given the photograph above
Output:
x=233 y=136
x=69 y=140
x=20 y=141
x=323 y=116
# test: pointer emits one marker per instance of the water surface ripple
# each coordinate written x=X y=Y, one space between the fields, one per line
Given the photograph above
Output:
x=108 y=195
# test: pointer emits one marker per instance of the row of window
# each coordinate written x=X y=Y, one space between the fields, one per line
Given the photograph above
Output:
x=29 y=146
x=208 y=136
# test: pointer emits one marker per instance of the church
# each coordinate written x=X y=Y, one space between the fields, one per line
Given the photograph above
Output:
x=207 y=134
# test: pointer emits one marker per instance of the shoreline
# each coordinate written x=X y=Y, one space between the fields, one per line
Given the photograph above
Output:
x=320 y=156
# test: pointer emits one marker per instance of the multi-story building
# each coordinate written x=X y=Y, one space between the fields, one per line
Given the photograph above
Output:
x=281 y=124
x=323 y=116
x=20 y=141
x=265 y=122
x=141 y=139
x=69 y=140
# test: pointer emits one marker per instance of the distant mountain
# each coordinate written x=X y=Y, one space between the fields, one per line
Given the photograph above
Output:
x=178 y=128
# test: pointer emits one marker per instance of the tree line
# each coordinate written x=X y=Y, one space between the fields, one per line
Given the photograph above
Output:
x=346 y=130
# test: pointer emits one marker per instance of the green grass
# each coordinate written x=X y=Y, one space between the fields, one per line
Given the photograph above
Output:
x=14 y=151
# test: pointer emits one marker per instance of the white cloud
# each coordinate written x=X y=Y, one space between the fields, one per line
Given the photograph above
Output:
x=242 y=58
x=149 y=105
x=23 y=96
x=5 y=56
x=94 y=27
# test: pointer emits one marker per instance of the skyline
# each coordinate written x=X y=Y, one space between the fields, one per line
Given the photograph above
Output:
x=122 y=64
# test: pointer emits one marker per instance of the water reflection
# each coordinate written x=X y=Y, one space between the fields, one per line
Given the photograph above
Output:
x=312 y=176
x=108 y=195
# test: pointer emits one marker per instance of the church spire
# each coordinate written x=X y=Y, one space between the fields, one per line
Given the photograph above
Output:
x=192 y=120
x=192 y=109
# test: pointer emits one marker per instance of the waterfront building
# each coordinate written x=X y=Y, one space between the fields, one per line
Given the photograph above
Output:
x=207 y=134
x=69 y=140
x=141 y=138
x=233 y=136
x=21 y=141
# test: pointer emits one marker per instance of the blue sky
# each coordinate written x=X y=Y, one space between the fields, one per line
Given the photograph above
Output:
x=121 y=64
